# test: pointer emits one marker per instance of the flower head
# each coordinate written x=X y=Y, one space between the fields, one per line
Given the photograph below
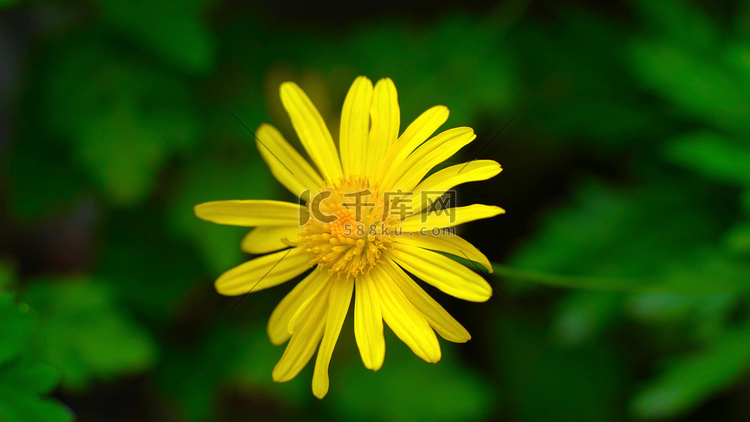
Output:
x=368 y=219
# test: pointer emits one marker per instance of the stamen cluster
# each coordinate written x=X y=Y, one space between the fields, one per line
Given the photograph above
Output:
x=348 y=227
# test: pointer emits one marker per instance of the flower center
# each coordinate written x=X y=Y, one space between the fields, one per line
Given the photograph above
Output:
x=349 y=227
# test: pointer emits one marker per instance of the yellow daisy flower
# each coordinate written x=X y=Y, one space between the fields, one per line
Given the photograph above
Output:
x=366 y=222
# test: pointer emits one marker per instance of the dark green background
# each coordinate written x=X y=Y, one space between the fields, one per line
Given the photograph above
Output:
x=623 y=262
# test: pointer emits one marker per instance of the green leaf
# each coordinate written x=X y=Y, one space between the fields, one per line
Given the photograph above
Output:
x=691 y=380
x=122 y=118
x=737 y=57
x=679 y=21
x=21 y=385
x=34 y=377
x=84 y=334
x=101 y=150
x=22 y=380
x=16 y=325
x=691 y=318
x=655 y=308
x=712 y=155
x=700 y=85
x=174 y=31
x=583 y=315
x=709 y=272
x=633 y=240
x=570 y=282
x=738 y=240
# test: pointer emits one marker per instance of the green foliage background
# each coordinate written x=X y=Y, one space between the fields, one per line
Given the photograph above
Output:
x=622 y=266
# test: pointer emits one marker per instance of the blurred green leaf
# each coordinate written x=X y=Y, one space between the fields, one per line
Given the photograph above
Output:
x=84 y=334
x=122 y=117
x=16 y=325
x=631 y=240
x=738 y=240
x=691 y=380
x=174 y=31
x=709 y=272
x=700 y=85
x=697 y=318
x=571 y=282
x=679 y=21
x=712 y=155
x=583 y=315
x=22 y=381
x=102 y=151
x=662 y=307
x=737 y=57
x=21 y=385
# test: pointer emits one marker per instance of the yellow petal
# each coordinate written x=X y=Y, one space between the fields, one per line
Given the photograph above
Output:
x=436 y=315
x=445 y=179
x=386 y=118
x=268 y=239
x=304 y=341
x=338 y=305
x=294 y=321
x=278 y=324
x=312 y=130
x=368 y=323
x=408 y=174
x=446 y=242
x=405 y=321
x=251 y=213
x=286 y=164
x=448 y=217
x=414 y=135
x=264 y=272
x=355 y=123
x=442 y=272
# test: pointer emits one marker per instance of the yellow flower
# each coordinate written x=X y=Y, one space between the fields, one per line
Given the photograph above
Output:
x=367 y=221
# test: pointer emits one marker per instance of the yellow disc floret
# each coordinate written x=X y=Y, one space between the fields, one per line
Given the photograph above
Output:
x=349 y=227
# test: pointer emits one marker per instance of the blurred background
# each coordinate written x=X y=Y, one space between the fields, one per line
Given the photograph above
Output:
x=622 y=264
